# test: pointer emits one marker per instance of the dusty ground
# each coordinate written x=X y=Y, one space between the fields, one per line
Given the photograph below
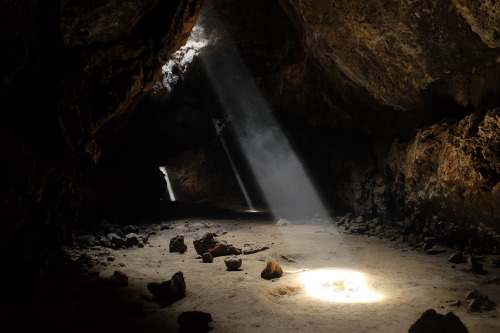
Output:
x=409 y=281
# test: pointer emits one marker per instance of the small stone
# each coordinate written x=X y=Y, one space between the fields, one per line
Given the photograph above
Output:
x=455 y=303
x=111 y=258
x=177 y=244
x=251 y=247
x=233 y=250
x=435 y=250
x=119 y=279
x=474 y=305
x=456 y=258
x=429 y=242
x=272 y=271
x=207 y=257
x=282 y=223
x=232 y=263
x=474 y=266
x=194 y=321
x=472 y=294
x=171 y=289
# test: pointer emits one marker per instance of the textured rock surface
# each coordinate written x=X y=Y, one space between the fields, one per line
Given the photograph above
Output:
x=232 y=263
x=177 y=244
x=70 y=69
x=431 y=321
x=209 y=243
x=272 y=271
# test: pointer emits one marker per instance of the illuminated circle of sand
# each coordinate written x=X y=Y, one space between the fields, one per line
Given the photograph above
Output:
x=337 y=285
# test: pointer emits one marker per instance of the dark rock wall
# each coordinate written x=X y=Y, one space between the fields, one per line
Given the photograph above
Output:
x=69 y=69
x=383 y=99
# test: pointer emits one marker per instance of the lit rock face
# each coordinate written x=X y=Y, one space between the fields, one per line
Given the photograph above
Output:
x=397 y=49
x=365 y=77
x=452 y=168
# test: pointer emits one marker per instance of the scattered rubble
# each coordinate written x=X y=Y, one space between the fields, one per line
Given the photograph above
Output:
x=478 y=302
x=233 y=263
x=272 y=271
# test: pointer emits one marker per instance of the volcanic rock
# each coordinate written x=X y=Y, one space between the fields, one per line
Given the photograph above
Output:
x=194 y=322
x=232 y=263
x=272 y=271
x=177 y=244
x=209 y=243
x=433 y=322
x=251 y=247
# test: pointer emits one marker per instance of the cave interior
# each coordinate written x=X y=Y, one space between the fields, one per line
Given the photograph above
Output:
x=364 y=132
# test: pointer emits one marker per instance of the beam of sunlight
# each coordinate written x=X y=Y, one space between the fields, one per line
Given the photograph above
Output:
x=169 y=186
x=285 y=184
x=235 y=170
x=335 y=285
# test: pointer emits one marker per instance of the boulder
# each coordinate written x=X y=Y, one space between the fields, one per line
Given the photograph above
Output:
x=232 y=263
x=171 y=289
x=194 y=321
x=272 y=271
x=209 y=243
x=433 y=322
x=177 y=244
x=132 y=239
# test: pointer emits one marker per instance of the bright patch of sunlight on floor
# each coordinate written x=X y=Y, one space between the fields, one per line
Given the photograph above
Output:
x=337 y=285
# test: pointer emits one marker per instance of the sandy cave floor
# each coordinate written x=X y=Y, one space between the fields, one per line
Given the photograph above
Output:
x=409 y=282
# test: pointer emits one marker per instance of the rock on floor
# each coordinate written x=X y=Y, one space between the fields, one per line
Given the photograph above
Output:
x=272 y=271
x=194 y=321
x=232 y=263
x=433 y=322
x=177 y=244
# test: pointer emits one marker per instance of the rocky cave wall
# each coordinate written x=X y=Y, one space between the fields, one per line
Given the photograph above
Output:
x=70 y=69
x=398 y=98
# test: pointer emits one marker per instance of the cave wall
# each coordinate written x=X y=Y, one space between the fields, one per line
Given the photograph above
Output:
x=392 y=104
x=70 y=69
